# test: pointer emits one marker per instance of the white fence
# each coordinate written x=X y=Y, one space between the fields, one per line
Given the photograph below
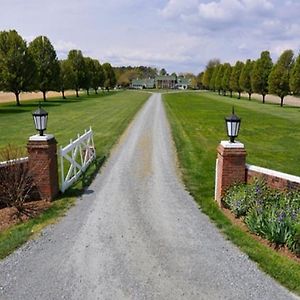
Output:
x=79 y=154
x=13 y=161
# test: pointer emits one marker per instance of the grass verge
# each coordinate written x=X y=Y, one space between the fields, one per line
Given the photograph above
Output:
x=197 y=123
x=109 y=114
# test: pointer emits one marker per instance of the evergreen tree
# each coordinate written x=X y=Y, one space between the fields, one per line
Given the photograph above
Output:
x=295 y=77
x=47 y=64
x=245 y=78
x=226 y=79
x=17 y=68
x=280 y=75
x=235 y=78
x=260 y=74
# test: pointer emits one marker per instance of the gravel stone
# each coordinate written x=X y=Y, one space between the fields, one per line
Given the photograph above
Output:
x=136 y=234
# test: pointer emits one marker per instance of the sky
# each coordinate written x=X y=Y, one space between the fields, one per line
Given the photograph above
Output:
x=178 y=35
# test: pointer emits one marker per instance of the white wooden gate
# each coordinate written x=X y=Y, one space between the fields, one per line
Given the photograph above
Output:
x=79 y=154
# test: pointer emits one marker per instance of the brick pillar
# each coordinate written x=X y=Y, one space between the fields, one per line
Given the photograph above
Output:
x=42 y=155
x=230 y=167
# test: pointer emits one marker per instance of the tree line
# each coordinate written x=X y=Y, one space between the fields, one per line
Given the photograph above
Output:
x=35 y=67
x=260 y=76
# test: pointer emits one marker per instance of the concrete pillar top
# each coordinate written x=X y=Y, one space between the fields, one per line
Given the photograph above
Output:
x=41 y=138
x=237 y=144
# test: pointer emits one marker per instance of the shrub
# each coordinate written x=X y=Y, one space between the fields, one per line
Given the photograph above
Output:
x=237 y=200
x=16 y=181
x=240 y=198
x=269 y=213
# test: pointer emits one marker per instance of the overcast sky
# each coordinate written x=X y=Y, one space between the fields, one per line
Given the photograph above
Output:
x=179 y=35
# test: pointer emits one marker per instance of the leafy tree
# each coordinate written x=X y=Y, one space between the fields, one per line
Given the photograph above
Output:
x=219 y=78
x=245 y=78
x=260 y=74
x=47 y=64
x=110 y=76
x=126 y=78
x=199 y=79
x=280 y=75
x=212 y=83
x=98 y=76
x=77 y=63
x=234 y=82
x=209 y=69
x=226 y=79
x=65 y=78
x=88 y=73
x=295 y=77
x=163 y=72
x=17 y=68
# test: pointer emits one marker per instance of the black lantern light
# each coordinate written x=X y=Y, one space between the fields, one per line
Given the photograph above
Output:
x=40 y=117
x=233 y=123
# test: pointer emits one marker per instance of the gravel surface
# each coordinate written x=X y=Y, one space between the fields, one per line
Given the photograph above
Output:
x=135 y=234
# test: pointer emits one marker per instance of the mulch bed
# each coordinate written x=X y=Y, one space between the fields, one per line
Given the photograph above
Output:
x=9 y=215
x=239 y=222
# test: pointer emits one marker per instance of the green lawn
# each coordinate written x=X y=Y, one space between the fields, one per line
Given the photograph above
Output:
x=109 y=114
x=271 y=136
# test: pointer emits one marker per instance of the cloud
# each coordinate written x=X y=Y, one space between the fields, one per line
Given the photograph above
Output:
x=62 y=48
x=180 y=35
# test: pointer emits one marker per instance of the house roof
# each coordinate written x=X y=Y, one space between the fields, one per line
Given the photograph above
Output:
x=166 y=77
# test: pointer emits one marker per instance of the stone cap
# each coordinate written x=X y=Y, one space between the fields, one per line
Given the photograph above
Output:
x=235 y=145
x=41 y=138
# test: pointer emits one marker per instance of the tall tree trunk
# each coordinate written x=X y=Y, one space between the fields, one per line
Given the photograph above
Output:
x=18 y=98
x=281 y=101
x=88 y=92
x=77 y=95
x=219 y=91
x=44 y=96
x=63 y=94
x=96 y=91
x=264 y=95
x=249 y=96
x=239 y=97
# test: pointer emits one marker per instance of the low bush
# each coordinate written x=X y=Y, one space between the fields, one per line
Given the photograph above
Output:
x=268 y=213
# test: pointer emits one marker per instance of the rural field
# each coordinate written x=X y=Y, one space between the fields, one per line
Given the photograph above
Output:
x=10 y=97
x=107 y=113
x=270 y=136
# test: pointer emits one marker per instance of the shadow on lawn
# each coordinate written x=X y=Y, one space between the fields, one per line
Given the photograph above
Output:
x=85 y=180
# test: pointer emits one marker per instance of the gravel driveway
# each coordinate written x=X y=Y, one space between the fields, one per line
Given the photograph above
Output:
x=135 y=234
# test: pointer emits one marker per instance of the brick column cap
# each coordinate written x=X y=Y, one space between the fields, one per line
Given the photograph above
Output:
x=41 y=138
x=237 y=144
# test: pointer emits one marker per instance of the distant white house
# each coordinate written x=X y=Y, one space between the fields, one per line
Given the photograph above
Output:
x=142 y=84
x=161 y=82
x=182 y=83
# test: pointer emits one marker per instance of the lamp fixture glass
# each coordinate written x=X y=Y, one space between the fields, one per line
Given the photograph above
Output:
x=40 y=118
x=233 y=124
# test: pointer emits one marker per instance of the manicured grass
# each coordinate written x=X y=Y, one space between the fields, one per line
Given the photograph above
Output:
x=109 y=114
x=271 y=137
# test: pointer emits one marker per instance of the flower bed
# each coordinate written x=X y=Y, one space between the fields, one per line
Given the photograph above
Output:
x=269 y=213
